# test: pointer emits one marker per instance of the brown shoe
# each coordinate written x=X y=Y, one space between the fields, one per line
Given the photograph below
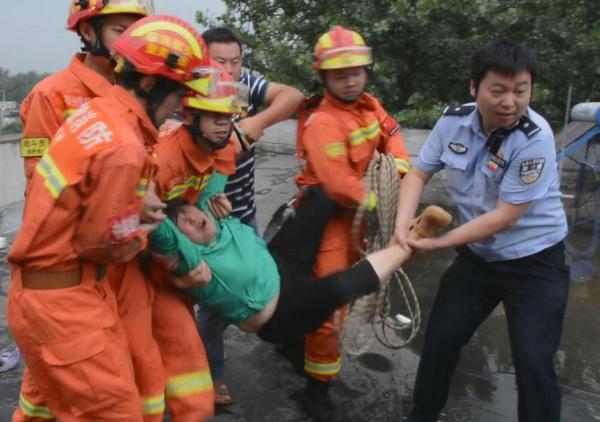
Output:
x=222 y=395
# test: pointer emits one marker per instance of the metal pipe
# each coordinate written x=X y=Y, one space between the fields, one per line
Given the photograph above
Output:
x=565 y=124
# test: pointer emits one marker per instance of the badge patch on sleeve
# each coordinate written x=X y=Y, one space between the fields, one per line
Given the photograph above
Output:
x=457 y=148
x=530 y=170
x=34 y=147
x=390 y=126
x=124 y=227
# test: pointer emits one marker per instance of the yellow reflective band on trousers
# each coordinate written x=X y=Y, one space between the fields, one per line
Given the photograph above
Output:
x=153 y=405
x=31 y=410
x=54 y=180
x=322 y=368
x=69 y=112
x=188 y=384
x=194 y=182
x=362 y=134
x=402 y=165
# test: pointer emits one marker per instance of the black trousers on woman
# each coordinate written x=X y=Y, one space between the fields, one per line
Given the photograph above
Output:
x=305 y=303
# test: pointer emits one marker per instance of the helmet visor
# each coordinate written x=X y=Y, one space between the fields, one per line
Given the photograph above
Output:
x=203 y=80
x=239 y=93
x=229 y=98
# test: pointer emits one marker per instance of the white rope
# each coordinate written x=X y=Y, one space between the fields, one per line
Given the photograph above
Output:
x=376 y=309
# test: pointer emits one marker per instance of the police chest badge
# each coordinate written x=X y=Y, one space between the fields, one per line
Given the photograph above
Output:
x=530 y=170
x=457 y=148
x=496 y=161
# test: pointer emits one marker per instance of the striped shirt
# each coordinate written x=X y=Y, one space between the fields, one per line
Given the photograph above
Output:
x=240 y=186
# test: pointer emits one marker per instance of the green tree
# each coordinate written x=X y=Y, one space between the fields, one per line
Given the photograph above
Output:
x=12 y=127
x=15 y=88
x=423 y=47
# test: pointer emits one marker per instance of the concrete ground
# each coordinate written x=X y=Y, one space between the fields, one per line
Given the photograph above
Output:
x=377 y=385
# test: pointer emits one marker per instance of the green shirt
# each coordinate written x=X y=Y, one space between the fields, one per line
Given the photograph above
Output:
x=244 y=275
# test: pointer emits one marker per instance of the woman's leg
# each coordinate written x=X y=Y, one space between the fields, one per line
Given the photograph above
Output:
x=306 y=303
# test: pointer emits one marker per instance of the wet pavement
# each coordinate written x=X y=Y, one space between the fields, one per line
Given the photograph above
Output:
x=377 y=386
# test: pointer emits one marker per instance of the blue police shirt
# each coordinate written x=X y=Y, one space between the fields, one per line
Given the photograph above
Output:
x=523 y=170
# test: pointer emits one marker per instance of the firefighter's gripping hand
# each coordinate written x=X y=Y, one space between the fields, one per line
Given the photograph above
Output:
x=153 y=206
x=198 y=277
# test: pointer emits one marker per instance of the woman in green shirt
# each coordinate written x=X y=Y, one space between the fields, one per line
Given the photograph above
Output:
x=263 y=290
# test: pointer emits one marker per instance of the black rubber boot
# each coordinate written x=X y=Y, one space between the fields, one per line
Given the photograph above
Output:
x=317 y=401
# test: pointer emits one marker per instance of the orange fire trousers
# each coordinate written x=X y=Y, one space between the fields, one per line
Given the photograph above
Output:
x=188 y=385
x=75 y=350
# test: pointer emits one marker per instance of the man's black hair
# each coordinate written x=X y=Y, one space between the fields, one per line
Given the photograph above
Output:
x=504 y=57
x=221 y=35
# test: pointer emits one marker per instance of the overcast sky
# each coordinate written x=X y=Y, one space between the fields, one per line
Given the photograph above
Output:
x=33 y=34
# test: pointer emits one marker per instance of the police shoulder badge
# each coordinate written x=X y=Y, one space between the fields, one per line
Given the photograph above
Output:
x=457 y=148
x=461 y=110
x=531 y=169
x=527 y=126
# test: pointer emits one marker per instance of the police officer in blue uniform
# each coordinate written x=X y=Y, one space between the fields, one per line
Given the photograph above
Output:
x=500 y=162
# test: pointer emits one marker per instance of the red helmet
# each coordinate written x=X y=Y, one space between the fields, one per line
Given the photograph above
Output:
x=170 y=47
x=341 y=48
x=81 y=10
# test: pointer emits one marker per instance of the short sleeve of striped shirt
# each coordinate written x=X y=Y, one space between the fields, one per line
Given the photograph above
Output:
x=258 y=90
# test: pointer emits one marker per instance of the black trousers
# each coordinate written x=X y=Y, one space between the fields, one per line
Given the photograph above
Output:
x=534 y=292
x=305 y=303
x=299 y=239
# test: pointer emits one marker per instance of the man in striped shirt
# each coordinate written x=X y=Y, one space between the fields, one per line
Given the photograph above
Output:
x=276 y=102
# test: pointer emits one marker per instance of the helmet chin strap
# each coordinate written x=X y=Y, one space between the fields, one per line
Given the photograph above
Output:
x=199 y=136
x=155 y=97
x=219 y=144
x=98 y=48
x=347 y=100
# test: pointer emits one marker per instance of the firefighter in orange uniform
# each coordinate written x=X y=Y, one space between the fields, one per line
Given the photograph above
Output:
x=49 y=104
x=86 y=209
x=188 y=153
x=338 y=140
x=186 y=158
x=98 y=23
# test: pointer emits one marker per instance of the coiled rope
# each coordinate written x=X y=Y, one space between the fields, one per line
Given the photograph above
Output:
x=375 y=309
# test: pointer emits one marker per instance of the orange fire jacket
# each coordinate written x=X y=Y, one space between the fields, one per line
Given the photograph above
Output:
x=338 y=141
x=184 y=169
x=50 y=102
x=86 y=193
